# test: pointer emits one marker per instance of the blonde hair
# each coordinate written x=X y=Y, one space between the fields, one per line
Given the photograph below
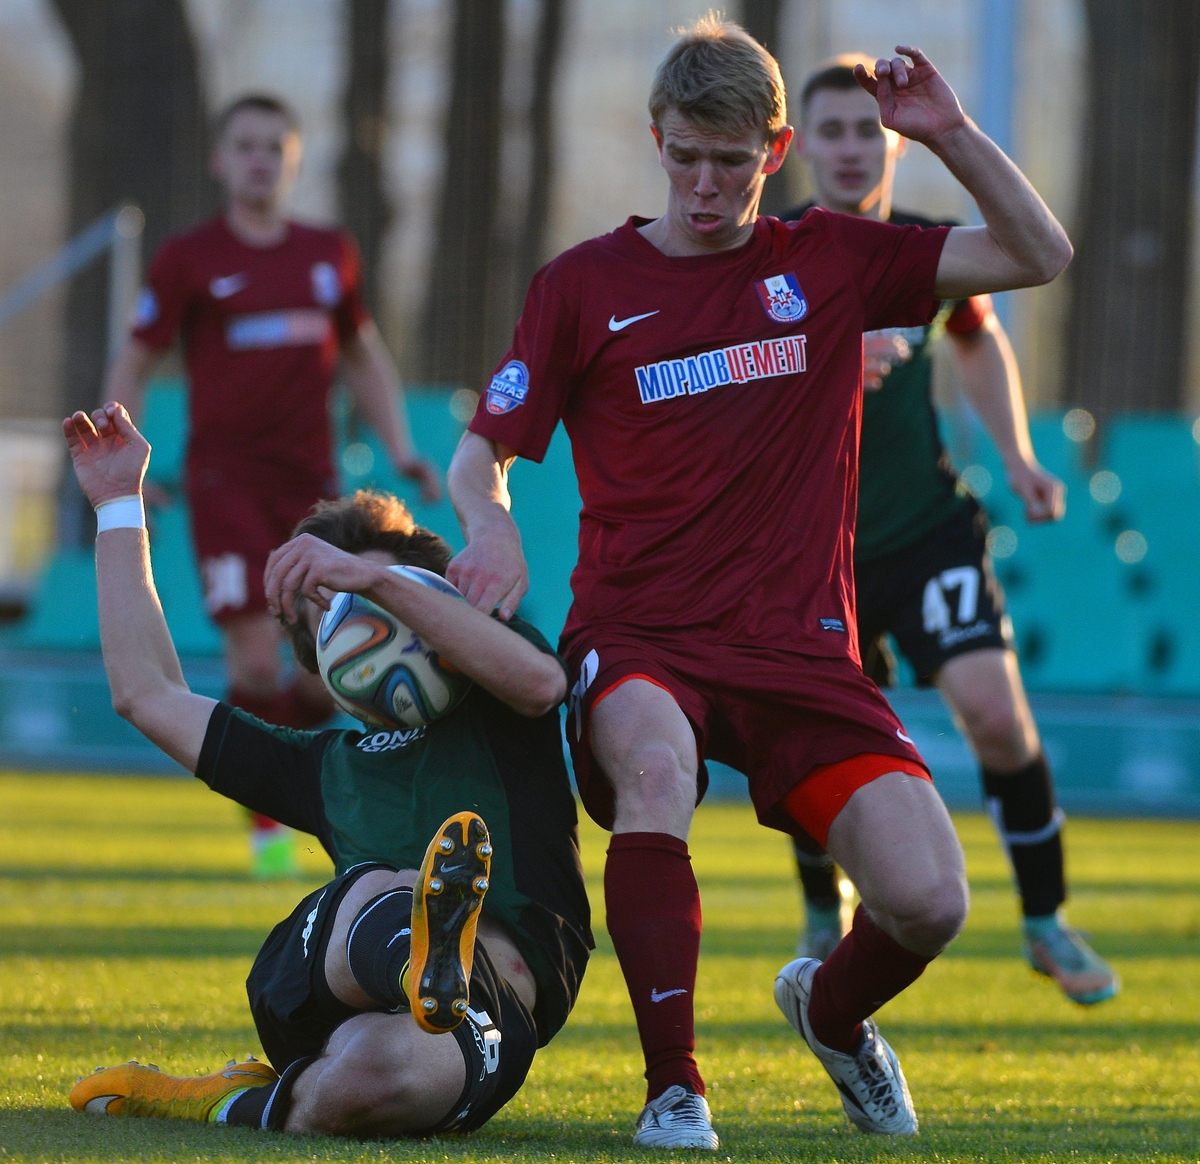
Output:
x=721 y=79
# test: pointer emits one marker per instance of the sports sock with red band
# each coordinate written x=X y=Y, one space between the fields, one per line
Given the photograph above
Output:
x=653 y=906
x=865 y=970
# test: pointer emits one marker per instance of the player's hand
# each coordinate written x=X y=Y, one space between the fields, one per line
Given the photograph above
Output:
x=108 y=453
x=1045 y=496
x=425 y=473
x=914 y=100
x=882 y=353
x=310 y=568
x=491 y=571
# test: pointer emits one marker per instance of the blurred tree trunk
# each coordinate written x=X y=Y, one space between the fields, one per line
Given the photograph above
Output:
x=138 y=132
x=1129 y=278
x=532 y=252
x=760 y=18
x=459 y=299
x=365 y=210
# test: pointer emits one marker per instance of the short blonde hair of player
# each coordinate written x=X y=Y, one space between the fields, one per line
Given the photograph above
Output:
x=721 y=79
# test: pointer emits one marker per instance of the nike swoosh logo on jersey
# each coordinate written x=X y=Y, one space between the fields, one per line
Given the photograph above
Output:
x=225 y=285
x=656 y=997
x=900 y=734
x=615 y=324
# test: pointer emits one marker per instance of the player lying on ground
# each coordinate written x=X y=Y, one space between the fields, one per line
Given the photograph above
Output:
x=708 y=368
x=921 y=568
x=328 y=990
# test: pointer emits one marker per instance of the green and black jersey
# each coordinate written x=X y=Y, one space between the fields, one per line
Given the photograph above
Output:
x=381 y=796
x=906 y=483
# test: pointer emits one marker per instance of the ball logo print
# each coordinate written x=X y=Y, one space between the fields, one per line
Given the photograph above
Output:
x=782 y=298
x=381 y=672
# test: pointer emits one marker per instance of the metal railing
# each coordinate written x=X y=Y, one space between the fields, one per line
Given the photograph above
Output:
x=118 y=232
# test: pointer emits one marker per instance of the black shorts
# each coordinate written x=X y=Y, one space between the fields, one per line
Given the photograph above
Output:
x=295 y=1012
x=938 y=597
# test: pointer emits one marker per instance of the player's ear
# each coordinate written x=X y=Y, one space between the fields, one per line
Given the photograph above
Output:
x=658 y=141
x=778 y=148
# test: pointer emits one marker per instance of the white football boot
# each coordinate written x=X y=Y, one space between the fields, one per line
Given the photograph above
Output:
x=676 y=1119
x=874 y=1094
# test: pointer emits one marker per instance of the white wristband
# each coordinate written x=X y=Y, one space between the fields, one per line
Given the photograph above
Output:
x=121 y=513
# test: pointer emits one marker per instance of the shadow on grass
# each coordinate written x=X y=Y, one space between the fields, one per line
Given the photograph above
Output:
x=51 y=1134
x=132 y=941
x=999 y=943
x=985 y=1036
x=114 y=877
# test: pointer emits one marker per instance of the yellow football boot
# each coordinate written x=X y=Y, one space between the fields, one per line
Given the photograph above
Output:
x=136 y=1090
x=446 y=900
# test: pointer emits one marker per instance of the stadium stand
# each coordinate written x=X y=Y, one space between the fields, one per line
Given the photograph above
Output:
x=1102 y=603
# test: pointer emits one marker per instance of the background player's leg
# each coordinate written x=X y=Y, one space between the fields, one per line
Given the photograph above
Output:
x=985 y=691
x=822 y=900
x=255 y=672
x=895 y=840
x=646 y=747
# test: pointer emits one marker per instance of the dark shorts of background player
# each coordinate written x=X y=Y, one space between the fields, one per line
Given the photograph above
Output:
x=938 y=597
x=295 y=1012
x=241 y=511
x=775 y=716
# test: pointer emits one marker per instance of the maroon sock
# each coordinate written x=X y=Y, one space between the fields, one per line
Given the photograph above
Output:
x=653 y=908
x=865 y=970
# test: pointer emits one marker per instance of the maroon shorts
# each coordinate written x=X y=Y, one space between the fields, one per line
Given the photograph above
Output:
x=240 y=513
x=773 y=715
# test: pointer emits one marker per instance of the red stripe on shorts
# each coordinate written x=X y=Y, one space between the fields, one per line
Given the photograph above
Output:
x=815 y=802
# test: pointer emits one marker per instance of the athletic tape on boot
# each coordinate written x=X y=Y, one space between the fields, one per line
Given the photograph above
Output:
x=121 y=513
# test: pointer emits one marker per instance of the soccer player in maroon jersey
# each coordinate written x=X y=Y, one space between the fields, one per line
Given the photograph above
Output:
x=921 y=568
x=266 y=306
x=708 y=368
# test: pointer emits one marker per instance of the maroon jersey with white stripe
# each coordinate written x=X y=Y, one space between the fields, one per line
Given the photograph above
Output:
x=713 y=405
x=261 y=330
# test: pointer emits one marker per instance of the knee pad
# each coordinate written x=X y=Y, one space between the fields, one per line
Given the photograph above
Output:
x=377 y=948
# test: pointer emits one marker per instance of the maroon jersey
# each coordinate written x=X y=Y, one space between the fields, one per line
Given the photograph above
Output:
x=713 y=405
x=261 y=330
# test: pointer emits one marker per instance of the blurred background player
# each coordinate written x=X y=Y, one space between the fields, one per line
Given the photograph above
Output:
x=922 y=572
x=264 y=306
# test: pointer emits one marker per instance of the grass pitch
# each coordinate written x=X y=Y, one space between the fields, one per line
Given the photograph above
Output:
x=127 y=925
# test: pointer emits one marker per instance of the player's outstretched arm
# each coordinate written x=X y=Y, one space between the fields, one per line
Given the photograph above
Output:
x=126 y=378
x=991 y=381
x=109 y=456
x=511 y=668
x=491 y=570
x=376 y=389
x=1021 y=244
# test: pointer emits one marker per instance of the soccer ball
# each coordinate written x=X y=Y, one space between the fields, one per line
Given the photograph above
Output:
x=381 y=672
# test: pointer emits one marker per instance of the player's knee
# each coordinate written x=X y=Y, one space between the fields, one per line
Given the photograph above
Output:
x=937 y=917
x=995 y=730
x=655 y=776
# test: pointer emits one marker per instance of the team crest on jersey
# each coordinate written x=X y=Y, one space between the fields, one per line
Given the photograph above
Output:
x=782 y=298
x=327 y=286
x=508 y=388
